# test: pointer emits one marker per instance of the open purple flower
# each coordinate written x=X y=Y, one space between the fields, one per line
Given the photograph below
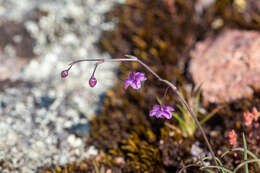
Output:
x=134 y=79
x=161 y=111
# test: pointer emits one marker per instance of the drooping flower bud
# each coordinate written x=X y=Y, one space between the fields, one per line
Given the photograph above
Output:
x=64 y=73
x=92 y=81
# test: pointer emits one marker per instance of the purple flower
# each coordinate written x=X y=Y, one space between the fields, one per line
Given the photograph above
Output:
x=134 y=79
x=161 y=111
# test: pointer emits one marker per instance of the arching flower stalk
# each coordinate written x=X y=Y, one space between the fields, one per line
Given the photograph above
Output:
x=134 y=80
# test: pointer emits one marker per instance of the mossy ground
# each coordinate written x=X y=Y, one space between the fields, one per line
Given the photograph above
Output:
x=127 y=138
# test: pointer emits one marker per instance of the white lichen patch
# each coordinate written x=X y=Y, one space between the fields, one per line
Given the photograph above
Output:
x=39 y=117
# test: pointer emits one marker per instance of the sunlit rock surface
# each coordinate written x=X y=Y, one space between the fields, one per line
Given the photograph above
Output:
x=227 y=66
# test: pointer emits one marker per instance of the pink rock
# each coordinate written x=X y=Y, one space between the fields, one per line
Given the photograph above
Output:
x=227 y=66
x=10 y=65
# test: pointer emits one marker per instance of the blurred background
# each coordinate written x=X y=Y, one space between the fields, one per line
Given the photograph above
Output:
x=40 y=112
x=208 y=48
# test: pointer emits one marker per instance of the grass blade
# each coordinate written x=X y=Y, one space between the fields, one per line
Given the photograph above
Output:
x=246 y=162
x=197 y=101
x=96 y=167
x=245 y=153
x=210 y=115
x=241 y=149
x=218 y=167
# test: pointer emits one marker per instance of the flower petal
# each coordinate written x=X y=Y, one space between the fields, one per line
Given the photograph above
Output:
x=136 y=84
x=152 y=113
x=132 y=75
x=134 y=79
x=160 y=114
x=167 y=114
x=127 y=82
x=156 y=107
x=140 y=76
x=168 y=108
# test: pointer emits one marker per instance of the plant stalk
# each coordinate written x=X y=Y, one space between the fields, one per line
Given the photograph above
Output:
x=131 y=58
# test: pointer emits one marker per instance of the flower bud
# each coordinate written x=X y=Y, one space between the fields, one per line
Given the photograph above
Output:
x=92 y=81
x=64 y=73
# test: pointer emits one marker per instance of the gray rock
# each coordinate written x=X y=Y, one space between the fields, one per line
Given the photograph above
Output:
x=36 y=116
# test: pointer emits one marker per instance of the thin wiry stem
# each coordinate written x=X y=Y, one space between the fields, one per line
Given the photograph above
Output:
x=104 y=60
x=165 y=94
x=131 y=58
x=191 y=165
x=95 y=68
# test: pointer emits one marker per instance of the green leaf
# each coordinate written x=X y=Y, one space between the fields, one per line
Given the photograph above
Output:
x=218 y=167
x=217 y=159
x=96 y=167
x=159 y=101
x=246 y=162
x=210 y=115
x=197 y=101
x=242 y=150
x=182 y=109
x=245 y=153
x=181 y=122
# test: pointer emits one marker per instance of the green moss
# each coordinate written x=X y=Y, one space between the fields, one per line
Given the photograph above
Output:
x=85 y=166
x=162 y=39
x=245 y=15
x=139 y=155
